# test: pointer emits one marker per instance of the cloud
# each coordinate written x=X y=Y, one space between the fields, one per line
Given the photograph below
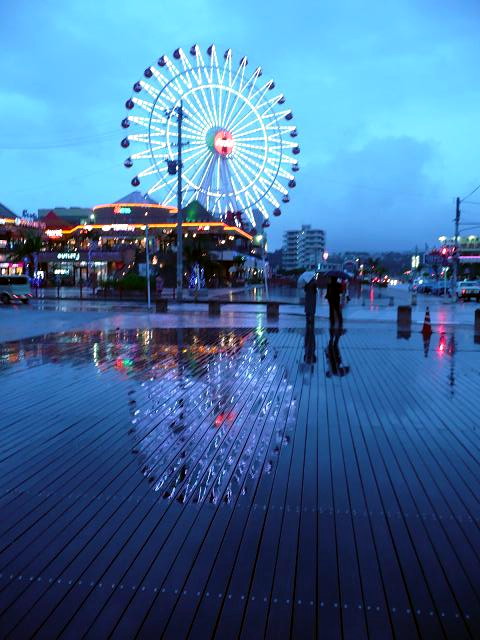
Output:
x=385 y=100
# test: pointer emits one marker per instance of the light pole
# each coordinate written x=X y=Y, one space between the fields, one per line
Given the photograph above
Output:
x=261 y=239
x=455 y=250
x=147 y=261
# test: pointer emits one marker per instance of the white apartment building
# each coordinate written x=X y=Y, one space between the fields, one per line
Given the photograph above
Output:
x=303 y=248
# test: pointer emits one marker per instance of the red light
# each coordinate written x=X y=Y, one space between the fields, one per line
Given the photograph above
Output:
x=442 y=344
x=223 y=143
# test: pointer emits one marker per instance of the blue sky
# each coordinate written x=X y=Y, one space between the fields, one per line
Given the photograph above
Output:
x=385 y=95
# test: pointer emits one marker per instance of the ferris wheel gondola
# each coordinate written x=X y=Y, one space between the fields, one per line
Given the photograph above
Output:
x=237 y=135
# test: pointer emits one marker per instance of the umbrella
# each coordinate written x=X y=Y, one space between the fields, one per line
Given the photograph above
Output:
x=338 y=274
x=305 y=278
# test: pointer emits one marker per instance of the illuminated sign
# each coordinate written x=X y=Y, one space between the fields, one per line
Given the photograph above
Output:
x=68 y=256
x=118 y=227
x=53 y=233
x=26 y=222
x=119 y=209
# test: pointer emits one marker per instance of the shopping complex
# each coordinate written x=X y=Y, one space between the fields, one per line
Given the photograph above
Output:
x=110 y=239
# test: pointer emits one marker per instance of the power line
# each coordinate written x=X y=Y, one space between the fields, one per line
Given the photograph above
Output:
x=470 y=194
x=67 y=142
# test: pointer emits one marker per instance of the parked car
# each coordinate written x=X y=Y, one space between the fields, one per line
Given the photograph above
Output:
x=440 y=288
x=15 y=289
x=468 y=290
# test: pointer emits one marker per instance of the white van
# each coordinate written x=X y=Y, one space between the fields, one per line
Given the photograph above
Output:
x=14 y=289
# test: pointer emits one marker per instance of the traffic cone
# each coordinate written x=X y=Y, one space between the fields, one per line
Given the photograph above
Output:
x=427 y=324
x=426 y=343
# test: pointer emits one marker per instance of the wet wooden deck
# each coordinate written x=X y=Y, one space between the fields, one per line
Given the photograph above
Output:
x=209 y=483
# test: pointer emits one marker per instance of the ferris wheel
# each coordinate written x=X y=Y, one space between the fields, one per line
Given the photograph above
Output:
x=238 y=142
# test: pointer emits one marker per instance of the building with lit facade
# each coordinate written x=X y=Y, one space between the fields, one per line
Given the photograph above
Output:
x=303 y=248
x=468 y=254
x=13 y=228
x=112 y=241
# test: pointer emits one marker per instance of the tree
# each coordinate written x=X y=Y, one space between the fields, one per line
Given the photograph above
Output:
x=29 y=247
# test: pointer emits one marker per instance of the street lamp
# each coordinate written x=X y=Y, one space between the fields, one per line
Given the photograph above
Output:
x=262 y=240
x=147 y=260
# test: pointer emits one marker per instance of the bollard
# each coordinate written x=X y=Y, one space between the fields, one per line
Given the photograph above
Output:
x=477 y=323
x=404 y=322
x=404 y=315
x=414 y=300
x=273 y=310
x=214 y=308
x=390 y=301
x=161 y=305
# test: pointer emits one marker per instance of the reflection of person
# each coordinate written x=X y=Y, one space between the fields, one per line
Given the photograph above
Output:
x=93 y=281
x=334 y=358
x=334 y=291
x=159 y=286
x=310 y=307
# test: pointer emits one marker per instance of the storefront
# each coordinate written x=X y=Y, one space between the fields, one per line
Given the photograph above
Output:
x=11 y=268
x=73 y=267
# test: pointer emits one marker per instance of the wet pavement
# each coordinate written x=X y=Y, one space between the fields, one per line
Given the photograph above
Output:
x=240 y=482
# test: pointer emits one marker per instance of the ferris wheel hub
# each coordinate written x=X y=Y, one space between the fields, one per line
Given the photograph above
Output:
x=223 y=143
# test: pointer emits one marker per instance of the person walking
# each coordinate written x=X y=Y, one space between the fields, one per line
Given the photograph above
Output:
x=334 y=292
x=310 y=307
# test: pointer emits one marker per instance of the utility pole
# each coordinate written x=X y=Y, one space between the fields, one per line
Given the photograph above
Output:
x=455 y=251
x=179 y=206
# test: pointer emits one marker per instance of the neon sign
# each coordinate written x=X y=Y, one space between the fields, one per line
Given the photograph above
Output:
x=118 y=227
x=68 y=256
x=119 y=209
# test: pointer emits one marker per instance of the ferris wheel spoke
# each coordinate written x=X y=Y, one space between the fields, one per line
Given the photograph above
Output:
x=252 y=101
x=241 y=175
x=150 y=89
x=250 y=118
x=252 y=157
x=192 y=128
x=205 y=168
x=171 y=193
x=194 y=114
x=248 y=145
x=249 y=173
x=201 y=164
x=240 y=133
x=201 y=109
x=149 y=171
x=193 y=160
x=148 y=153
x=158 y=185
x=227 y=68
x=177 y=78
x=191 y=154
x=205 y=106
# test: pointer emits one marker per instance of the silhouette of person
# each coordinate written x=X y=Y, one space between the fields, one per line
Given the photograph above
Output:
x=334 y=358
x=310 y=307
x=334 y=292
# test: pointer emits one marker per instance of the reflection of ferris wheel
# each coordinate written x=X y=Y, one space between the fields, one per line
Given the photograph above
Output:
x=239 y=153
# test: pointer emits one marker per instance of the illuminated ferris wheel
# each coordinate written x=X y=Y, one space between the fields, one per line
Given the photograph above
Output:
x=238 y=142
